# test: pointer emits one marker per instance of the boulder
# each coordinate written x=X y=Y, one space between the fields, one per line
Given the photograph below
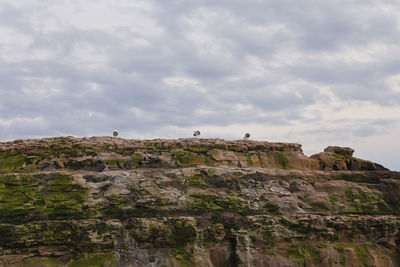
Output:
x=345 y=151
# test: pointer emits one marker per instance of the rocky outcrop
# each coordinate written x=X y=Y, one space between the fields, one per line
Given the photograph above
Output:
x=341 y=158
x=201 y=202
x=344 y=151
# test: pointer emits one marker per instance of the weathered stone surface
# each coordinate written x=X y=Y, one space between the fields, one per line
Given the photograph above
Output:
x=341 y=158
x=345 y=151
x=193 y=202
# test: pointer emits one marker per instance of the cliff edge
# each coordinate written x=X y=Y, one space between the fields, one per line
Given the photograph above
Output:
x=105 y=201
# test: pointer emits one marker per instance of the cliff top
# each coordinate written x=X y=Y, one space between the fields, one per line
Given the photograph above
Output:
x=108 y=153
x=102 y=142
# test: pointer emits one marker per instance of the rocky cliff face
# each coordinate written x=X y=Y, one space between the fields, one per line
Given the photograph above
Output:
x=193 y=202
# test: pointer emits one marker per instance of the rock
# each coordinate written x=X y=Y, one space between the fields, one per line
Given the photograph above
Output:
x=104 y=201
x=341 y=158
x=345 y=151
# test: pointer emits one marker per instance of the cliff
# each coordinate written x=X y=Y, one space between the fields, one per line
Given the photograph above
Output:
x=104 y=201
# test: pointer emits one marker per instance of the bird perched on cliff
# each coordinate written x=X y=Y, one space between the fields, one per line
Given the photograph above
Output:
x=196 y=133
x=246 y=136
x=115 y=133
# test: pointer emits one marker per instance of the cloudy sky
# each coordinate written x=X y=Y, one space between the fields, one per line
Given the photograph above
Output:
x=313 y=72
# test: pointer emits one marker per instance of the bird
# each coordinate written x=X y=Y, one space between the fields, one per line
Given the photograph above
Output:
x=246 y=136
x=196 y=133
x=115 y=133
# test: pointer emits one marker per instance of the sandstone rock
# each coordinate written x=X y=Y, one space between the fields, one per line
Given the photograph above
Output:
x=203 y=202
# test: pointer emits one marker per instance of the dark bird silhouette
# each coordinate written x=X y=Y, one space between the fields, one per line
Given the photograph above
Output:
x=196 y=133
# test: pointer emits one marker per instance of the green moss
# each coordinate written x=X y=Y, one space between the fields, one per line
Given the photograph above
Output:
x=225 y=183
x=124 y=207
x=361 y=252
x=51 y=233
x=33 y=197
x=114 y=208
x=160 y=146
x=12 y=163
x=16 y=200
x=187 y=158
x=337 y=157
x=332 y=200
x=216 y=203
x=249 y=161
x=137 y=160
x=295 y=252
x=267 y=234
x=7 y=235
x=197 y=181
x=232 y=193
x=115 y=164
x=41 y=262
x=319 y=206
x=206 y=202
x=65 y=147
x=94 y=260
x=339 y=248
x=216 y=230
x=271 y=208
x=281 y=160
x=63 y=198
x=210 y=173
x=184 y=257
x=316 y=205
x=342 y=260
x=183 y=232
x=366 y=202
x=304 y=251
x=349 y=195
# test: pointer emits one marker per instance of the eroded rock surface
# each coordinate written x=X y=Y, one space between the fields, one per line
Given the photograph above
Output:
x=193 y=202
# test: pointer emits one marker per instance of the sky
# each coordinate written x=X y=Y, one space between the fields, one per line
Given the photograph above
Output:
x=312 y=72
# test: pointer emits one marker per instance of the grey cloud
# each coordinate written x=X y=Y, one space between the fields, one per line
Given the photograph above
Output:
x=260 y=62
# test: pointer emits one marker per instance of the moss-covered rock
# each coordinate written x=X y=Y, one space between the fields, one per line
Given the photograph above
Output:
x=30 y=197
x=187 y=158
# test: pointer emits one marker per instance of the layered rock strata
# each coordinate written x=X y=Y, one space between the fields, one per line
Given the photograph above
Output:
x=193 y=202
